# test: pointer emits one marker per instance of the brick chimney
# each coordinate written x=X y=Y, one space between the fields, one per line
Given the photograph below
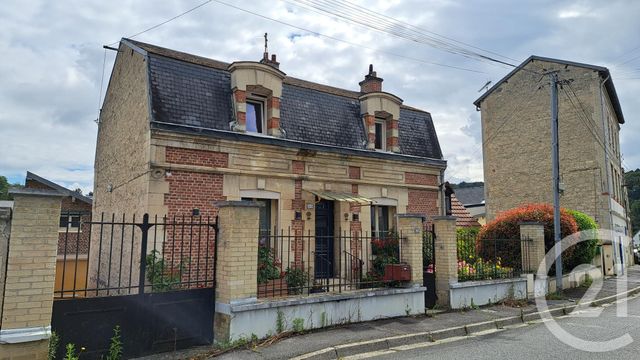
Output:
x=371 y=82
x=271 y=62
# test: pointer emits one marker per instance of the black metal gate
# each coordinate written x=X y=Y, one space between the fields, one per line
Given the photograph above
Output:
x=429 y=266
x=155 y=280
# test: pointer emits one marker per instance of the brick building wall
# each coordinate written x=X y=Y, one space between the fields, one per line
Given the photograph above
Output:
x=424 y=202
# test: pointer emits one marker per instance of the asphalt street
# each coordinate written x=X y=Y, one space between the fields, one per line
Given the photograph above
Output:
x=537 y=342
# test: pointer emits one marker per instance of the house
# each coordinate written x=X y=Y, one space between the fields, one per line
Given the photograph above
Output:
x=178 y=132
x=73 y=233
x=472 y=198
x=517 y=142
x=462 y=215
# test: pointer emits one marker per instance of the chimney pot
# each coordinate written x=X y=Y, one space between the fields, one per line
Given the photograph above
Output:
x=371 y=82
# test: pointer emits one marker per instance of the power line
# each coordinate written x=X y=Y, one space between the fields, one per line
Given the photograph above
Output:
x=345 y=41
x=397 y=29
x=165 y=22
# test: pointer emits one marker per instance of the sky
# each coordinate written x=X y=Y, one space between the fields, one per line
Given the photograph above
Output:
x=54 y=70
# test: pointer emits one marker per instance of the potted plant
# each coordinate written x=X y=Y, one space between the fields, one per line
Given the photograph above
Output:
x=296 y=279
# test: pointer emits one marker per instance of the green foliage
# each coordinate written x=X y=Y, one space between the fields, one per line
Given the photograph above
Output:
x=71 y=353
x=632 y=180
x=385 y=251
x=115 y=346
x=466 y=243
x=584 y=251
x=267 y=269
x=54 y=340
x=298 y=325
x=162 y=276
x=280 y=325
x=507 y=226
x=4 y=188
x=296 y=279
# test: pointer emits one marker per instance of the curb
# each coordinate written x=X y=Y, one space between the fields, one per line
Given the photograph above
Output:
x=344 y=350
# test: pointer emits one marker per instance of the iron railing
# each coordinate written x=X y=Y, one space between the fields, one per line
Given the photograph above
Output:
x=490 y=259
x=296 y=263
x=133 y=255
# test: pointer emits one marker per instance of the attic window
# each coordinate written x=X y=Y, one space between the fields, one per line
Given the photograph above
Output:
x=381 y=136
x=255 y=116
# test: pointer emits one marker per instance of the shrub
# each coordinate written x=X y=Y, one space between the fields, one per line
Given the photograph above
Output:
x=296 y=279
x=507 y=226
x=466 y=243
x=584 y=251
x=386 y=251
x=267 y=265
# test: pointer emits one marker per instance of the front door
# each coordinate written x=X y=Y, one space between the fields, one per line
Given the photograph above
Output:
x=324 y=240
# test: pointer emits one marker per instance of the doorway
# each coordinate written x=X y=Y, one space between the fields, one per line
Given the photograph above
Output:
x=324 y=240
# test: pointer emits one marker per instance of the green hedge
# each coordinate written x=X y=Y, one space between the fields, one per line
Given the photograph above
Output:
x=585 y=251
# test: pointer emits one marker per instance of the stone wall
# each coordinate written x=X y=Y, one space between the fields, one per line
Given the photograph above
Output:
x=5 y=230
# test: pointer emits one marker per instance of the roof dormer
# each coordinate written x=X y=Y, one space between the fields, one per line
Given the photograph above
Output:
x=380 y=112
x=257 y=88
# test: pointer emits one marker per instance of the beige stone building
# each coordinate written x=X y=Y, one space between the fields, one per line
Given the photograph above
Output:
x=178 y=132
x=516 y=133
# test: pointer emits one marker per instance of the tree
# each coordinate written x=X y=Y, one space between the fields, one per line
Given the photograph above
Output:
x=4 y=189
x=632 y=181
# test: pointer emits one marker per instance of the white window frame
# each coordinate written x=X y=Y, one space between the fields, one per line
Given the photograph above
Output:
x=263 y=108
x=383 y=135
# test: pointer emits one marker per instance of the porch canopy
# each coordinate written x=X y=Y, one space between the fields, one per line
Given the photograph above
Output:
x=336 y=196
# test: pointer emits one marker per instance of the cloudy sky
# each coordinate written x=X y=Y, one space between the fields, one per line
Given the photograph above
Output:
x=52 y=62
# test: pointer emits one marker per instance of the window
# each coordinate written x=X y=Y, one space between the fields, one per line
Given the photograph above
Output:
x=255 y=116
x=381 y=217
x=381 y=136
x=69 y=222
x=266 y=219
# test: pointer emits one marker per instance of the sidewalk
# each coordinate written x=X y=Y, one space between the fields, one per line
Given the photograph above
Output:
x=346 y=340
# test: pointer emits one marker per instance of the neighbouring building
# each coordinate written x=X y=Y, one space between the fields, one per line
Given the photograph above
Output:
x=472 y=198
x=73 y=233
x=516 y=132
x=178 y=132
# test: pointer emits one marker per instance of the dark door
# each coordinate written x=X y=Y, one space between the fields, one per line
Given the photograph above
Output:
x=324 y=240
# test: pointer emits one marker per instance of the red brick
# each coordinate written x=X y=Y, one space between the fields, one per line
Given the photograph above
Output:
x=297 y=167
x=420 y=179
x=354 y=172
x=196 y=157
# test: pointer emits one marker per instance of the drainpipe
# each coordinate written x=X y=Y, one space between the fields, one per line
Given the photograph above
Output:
x=443 y=204
x=607 y=166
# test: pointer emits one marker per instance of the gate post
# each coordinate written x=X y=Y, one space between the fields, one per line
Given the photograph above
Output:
x=533 y=252
x=446 y=257
x=30 y=276
x=410 y=229
x=237 y=262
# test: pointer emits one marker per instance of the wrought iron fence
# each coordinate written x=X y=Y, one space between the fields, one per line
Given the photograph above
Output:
x=490 y=259
x=293 y=263
x=133 y=255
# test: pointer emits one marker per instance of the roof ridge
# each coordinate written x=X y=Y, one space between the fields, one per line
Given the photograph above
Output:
x=221 y=65
x=59 y=188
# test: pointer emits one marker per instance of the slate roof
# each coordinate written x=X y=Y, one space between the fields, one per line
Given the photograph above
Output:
x=611 y=89
x=470 y=195
x=193 y=94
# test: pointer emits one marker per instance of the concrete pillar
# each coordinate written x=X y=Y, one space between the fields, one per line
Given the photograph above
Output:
x=30 y=276
x=237 y=261
x=410 y=228
x=446 y=257
x=532 y=246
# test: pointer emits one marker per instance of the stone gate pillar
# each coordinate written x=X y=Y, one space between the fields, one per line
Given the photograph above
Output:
x=446 y=257
x=31 y=265
x=237 y=262
x=410 y=228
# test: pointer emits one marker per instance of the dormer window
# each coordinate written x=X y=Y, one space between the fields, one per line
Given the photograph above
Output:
x=255 y=116
x=381 y=136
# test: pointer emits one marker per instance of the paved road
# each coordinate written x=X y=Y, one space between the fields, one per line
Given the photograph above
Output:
x=536 y=341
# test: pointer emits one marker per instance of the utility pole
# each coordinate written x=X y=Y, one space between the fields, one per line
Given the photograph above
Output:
x=555 y=164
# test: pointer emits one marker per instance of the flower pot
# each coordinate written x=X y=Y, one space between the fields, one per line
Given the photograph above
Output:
x=397 y=272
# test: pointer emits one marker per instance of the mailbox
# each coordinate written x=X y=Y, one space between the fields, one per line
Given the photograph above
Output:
x=397 y=272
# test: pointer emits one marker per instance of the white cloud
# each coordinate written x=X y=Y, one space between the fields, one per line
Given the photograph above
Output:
x=52 y=63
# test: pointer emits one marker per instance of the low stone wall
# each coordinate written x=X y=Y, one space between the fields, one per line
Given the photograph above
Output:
x=476 y=293
x=574 y=279
x=268 y=317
